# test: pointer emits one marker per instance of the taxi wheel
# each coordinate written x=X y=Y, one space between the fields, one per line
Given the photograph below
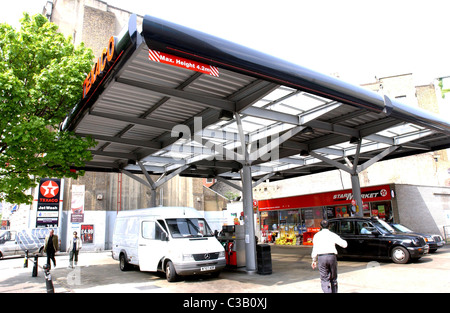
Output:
x=400 y=255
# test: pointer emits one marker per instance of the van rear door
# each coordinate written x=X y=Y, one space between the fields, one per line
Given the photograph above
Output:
x=152 y=245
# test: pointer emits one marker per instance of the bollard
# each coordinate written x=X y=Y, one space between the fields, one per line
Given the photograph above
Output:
x=35 y=267
x=25 y=261
x=48 y=279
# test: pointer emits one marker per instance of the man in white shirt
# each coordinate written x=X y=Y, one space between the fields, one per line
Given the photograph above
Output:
x=324 y=252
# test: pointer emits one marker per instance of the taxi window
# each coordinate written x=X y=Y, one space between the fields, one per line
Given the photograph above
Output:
x=347 y=227
x=364 y=228
x=333 y=227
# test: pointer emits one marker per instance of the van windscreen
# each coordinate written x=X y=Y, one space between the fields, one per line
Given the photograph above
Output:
x=188 y=227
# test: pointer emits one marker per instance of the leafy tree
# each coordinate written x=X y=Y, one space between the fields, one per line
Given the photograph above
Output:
x=444 y=91
x=41 y=77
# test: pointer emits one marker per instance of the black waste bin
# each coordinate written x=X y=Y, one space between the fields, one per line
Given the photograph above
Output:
x=264 y=259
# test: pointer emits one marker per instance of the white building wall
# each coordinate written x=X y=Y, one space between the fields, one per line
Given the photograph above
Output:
x=423 y=208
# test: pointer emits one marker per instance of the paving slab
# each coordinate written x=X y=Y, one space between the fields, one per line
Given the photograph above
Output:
x=291 y=273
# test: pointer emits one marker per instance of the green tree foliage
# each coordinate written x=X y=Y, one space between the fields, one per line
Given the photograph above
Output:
x=41 y=77
x=444 y=91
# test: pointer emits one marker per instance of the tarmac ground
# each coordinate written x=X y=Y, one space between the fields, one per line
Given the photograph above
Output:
x=97 y=272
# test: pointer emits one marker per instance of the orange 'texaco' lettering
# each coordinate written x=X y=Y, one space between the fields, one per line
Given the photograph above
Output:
x=98 y=70
x=110 y=50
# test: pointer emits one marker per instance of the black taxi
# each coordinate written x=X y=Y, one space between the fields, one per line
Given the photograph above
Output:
x=375 y=239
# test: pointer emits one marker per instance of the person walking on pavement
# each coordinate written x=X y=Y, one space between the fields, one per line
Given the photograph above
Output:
x=73 y=249
x=324 y=253
x=50 y=247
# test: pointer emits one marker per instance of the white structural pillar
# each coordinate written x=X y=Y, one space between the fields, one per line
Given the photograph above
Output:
x=249 y=224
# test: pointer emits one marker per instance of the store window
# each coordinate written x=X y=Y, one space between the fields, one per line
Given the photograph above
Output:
x=382 y=210
x=269 y=220
x=342 y=211
x=298 y=219
x=312 y=217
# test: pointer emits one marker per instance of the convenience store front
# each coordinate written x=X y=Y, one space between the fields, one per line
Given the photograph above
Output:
x=294 y=220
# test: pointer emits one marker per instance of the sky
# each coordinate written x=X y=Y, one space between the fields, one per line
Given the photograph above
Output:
x=358 y=40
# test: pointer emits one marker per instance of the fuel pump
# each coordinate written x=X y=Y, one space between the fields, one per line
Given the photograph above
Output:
x=230 y=253
x=232 y=238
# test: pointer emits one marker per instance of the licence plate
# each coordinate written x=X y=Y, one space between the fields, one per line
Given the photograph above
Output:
x=207 y=268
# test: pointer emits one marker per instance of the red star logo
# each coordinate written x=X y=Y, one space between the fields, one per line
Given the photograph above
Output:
x=49 y=189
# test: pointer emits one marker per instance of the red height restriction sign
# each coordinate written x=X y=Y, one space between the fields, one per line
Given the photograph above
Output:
x=165 y=58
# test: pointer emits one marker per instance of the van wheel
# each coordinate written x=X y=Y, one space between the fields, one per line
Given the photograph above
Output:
x=400 y=255
x=171 y=274
x=123 y=263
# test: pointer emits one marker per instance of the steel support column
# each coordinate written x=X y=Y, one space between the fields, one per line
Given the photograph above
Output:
x=249 y=225
x=151 y=183
x=247 y=201
x=153 y=197
x=356 y=189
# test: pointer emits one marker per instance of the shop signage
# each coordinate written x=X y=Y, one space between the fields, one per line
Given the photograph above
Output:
x=77 y=204
x=342 y=197
x=165 y=58
x=87 y=233
x=47 y=214
x=346 y=196
x=101 y=66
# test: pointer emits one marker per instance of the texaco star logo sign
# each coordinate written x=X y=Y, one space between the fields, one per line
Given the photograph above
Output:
x=49 y=189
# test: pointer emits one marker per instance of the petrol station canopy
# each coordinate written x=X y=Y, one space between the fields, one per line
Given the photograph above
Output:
x=171 y=100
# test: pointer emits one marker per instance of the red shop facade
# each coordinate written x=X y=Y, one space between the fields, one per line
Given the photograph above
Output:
x=302 y=214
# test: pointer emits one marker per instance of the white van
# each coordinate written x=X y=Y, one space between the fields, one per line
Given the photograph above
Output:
x=174 y=240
